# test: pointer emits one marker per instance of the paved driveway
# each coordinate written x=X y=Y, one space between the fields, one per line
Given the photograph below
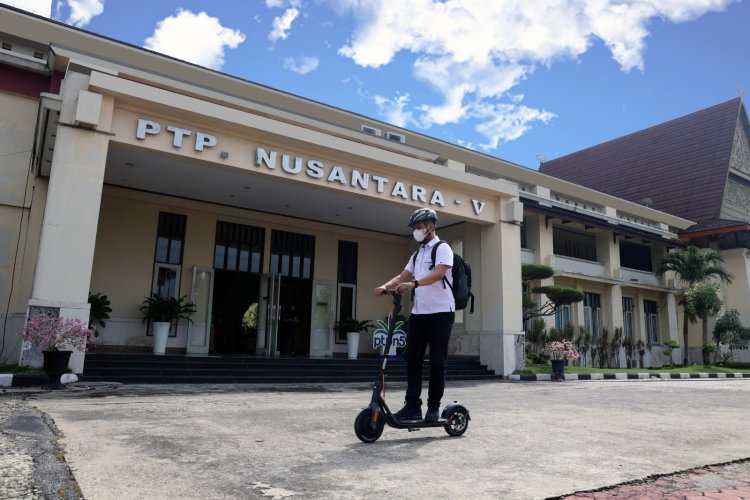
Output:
x=526 y=440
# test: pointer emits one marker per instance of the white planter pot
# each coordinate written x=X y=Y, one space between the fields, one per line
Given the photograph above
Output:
x=352 y=344
x=161 y=332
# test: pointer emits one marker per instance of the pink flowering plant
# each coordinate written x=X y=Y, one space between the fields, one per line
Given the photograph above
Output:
x=561 y=349
x=48 y=333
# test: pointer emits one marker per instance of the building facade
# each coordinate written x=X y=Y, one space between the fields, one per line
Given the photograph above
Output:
x=129 y=173
x=705 y=159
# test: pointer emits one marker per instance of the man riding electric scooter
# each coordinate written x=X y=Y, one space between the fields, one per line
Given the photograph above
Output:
x=431 y=318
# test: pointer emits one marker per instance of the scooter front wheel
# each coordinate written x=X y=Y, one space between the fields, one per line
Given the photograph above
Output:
x=458 y=421
x=364 y=429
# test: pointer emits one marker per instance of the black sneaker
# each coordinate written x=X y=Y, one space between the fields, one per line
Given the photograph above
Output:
x=409 y=412
x=432 y=415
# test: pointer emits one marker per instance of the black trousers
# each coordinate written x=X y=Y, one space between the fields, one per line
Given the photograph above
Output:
x=435 y=330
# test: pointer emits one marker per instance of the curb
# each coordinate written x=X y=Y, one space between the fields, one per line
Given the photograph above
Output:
x=625 y=376
x=32 y=379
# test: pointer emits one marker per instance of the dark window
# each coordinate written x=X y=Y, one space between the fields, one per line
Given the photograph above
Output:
x=627 y=316
x=562 y=316
x=238 y=247
x=652 y=320
x=524 y=237
x=348 y=253
x=292 y=254
x=170 y=236
x=346 y=308
x=574 y=244
x=592 y=314
x=634 y=256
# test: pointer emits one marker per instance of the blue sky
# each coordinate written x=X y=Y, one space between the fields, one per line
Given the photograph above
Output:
x=517 y=80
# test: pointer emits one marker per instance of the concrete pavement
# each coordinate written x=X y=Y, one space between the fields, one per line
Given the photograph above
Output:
x=524 y=441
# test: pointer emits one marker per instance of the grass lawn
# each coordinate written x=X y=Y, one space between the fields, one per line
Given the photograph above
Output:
x=539 y=369
x=19 y=369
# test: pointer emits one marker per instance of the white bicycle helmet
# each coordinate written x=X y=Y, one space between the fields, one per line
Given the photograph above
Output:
x=422 y=214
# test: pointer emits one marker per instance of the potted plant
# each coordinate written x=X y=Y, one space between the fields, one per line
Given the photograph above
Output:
x=351 y=328
x=669 y=346
x=99 y=311
x=162 y=311
x=559 y=351
x=53 y=336
x=641 y=347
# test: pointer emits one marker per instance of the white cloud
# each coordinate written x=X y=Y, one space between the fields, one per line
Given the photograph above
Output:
x=38 y=7
x=282 y=25
x=301 y=65
x=197 y=38
x=473 y=52
x=83 y=11
x=394 y=110
x=280 y=4
x=506 y=122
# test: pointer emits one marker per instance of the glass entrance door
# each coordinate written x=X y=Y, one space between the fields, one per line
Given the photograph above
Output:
x=199 y=330
x=269 y=313
x=321 y=331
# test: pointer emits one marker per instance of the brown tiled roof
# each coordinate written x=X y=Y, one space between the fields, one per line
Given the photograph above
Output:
x=681 y=164
x=712 y=224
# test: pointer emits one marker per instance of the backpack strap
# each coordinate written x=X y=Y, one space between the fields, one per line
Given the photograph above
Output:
x=434 y=256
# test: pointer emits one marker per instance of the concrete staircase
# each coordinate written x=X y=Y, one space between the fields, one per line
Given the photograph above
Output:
x=133 y=368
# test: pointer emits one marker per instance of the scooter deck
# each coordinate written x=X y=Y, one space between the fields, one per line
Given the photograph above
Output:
x=422 y=423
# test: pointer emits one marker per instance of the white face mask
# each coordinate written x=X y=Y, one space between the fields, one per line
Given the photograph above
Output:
x=420 y=234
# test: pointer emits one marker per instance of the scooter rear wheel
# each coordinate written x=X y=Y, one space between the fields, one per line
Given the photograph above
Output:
x=458 y=421
x=363 y=428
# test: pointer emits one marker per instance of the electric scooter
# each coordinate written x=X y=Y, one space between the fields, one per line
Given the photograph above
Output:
x=369 y=424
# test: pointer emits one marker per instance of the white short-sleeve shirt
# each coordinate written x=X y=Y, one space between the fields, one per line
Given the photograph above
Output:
x=437 y=297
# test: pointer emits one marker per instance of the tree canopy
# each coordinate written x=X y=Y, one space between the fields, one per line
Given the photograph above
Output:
x=557 y=296
x=729 y=331
x=692 y=266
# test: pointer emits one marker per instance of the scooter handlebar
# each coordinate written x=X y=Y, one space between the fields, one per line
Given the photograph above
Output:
x=393 y=293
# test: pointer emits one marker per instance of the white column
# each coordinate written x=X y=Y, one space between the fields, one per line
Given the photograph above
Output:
x=540 y=239
x=68 y=235
x=674 y=331
x=501 y=292
x=615 y=316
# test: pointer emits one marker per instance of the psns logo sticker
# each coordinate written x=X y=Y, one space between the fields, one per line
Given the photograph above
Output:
x=380 y=337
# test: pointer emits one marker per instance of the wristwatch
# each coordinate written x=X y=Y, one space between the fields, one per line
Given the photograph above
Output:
x=416 y=282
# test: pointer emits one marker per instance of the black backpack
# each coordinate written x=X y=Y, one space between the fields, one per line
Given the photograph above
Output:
x=461 y=287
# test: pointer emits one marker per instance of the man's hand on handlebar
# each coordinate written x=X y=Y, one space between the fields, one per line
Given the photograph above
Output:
x=381 y=290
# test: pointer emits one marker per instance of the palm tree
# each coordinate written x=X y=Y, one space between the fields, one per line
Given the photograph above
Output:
x=692 y=266
x=704 y=302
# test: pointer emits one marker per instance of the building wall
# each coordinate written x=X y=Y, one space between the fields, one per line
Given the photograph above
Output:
x=124 y=256
x=20 y=221
x=736 y=203
x=608 y=279
x=737 y=293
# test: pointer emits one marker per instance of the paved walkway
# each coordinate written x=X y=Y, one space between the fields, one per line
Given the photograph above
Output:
x=220 y=442
x=721 y=482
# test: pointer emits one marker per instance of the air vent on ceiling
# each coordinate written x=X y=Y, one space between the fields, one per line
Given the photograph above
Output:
x=393 y=136
x=370 y=130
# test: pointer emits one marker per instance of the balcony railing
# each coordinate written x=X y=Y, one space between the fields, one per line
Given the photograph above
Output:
x=577 y=266
x=527 y=256
x=636 y=276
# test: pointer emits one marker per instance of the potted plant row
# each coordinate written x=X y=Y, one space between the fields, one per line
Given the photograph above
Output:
x=161 y=312
x=559 y=352
x=351 y=328
x=54 y=337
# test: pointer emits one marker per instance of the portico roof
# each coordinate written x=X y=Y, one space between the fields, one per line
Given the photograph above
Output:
x=592 y=221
